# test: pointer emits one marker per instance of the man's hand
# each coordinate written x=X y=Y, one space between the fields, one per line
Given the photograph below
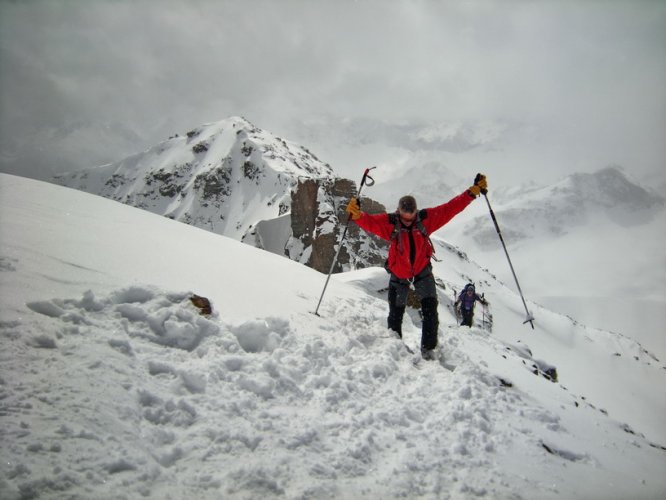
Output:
x=353 y=209
x=480 y=185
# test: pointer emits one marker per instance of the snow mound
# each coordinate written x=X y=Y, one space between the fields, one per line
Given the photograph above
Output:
x=168 y=320
x=179 y=387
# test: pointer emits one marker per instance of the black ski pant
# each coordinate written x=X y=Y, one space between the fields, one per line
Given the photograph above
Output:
x=424 y=285
x=467 y=317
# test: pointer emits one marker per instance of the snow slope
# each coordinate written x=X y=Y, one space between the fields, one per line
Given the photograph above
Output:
x=114 y=386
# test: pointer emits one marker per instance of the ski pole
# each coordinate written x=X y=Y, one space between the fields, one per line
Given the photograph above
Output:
x=483 y=309
x=530 y=318
x=365 y=180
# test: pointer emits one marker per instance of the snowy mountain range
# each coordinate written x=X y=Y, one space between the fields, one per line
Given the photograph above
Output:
x=234 y=179
x=577 y=200
x=114 y=385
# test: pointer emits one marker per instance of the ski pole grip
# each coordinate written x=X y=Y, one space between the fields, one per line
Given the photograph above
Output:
x=476 y=180
x=366 y=177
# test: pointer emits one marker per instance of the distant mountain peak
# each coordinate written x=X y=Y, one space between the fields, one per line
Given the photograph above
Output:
x=576 y=200
x=235 y=179
x=610 y=187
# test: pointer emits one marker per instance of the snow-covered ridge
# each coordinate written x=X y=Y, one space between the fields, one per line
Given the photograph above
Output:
x=223 y=177
x=234 y=179
x=113 y=384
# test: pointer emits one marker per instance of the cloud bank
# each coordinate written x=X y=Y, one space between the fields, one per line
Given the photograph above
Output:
x=562 y=85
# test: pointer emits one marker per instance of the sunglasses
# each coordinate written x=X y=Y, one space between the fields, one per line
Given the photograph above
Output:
x=408 y=216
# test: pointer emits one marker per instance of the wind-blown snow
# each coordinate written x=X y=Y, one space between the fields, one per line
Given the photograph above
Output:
x=114 y=386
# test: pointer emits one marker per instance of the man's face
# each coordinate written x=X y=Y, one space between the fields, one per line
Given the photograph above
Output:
x=407 y=218
x=407 y=210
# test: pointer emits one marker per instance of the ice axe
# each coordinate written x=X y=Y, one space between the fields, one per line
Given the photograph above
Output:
x=484 y=192
x=365 y=180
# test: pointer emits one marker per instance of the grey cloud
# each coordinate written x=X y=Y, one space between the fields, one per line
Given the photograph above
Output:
x=126 y=74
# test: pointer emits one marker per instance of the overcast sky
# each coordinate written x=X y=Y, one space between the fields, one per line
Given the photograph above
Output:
x=529 y=89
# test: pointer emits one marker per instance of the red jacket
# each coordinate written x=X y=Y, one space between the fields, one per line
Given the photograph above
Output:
x=399 y=252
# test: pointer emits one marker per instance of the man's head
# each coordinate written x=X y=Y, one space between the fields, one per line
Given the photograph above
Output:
x=407 y=209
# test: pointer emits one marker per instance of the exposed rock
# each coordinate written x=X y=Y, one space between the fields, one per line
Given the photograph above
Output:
x=318 y=219
x=304 y=208
x=203 y=304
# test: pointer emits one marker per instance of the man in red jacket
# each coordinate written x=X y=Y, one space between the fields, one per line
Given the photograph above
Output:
x=410 y=252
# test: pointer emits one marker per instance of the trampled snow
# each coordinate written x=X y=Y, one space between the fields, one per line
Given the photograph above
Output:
x=114 y=386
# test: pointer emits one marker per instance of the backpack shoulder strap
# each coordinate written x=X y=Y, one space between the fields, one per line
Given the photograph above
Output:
x=393 y=220
x=420 y=216
x=423 y=214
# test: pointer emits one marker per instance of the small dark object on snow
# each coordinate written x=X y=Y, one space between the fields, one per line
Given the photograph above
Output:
x=505 y=383
x=203 y=304
x=550 y=373
x=548 y=448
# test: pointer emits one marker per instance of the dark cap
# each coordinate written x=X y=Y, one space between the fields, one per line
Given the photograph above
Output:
x=407 y=204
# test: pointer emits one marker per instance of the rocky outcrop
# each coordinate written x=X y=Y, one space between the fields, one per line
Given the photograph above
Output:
x=318 y=219
x=304 y=208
